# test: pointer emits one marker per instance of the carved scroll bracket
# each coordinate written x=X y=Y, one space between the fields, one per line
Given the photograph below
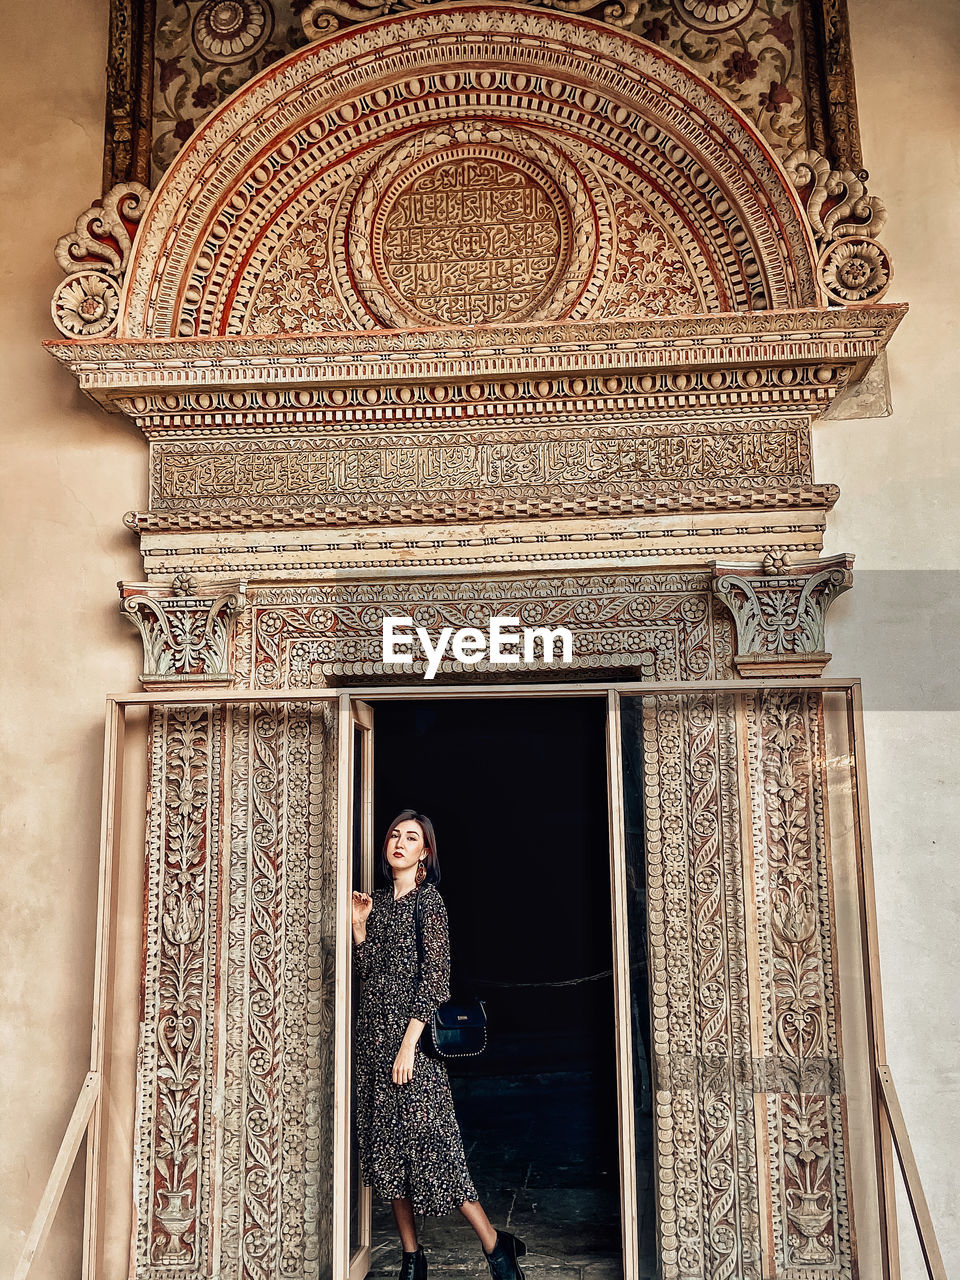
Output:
x=779 y=611
x=186 y=635
x=94 y=256
x=852 y=266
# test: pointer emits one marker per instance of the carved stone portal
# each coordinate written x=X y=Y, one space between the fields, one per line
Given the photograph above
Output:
x=483 y=309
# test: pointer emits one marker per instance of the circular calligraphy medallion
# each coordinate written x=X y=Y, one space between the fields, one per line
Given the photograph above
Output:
x=470 y=235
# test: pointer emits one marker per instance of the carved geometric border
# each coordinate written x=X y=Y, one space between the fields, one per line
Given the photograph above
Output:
x=685 y=499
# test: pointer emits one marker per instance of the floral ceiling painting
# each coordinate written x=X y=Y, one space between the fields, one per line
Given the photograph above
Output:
x=204 y=51
x=784 y=63
x=752 y=52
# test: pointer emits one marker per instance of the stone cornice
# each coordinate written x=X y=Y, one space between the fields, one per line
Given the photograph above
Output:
x=842 y=339
x=793 y=498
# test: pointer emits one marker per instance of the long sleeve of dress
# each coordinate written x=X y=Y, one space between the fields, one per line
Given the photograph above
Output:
x=365 y=957
x=367 y=954
x=433 y=985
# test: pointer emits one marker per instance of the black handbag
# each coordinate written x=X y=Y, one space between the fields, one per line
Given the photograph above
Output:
x=457 y=1029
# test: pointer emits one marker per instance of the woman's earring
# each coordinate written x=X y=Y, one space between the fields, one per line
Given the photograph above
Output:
x=421 y=871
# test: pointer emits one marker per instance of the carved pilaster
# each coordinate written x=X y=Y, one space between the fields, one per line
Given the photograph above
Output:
x=186 y=636
x=180 y=984
x=779 y=611
x=803 y=1080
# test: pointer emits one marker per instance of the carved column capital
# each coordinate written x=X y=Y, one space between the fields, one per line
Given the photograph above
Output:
x=779 y=611
x=186 y=634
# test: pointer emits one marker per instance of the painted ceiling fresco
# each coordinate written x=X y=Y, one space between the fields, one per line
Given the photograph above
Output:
x=784 y=63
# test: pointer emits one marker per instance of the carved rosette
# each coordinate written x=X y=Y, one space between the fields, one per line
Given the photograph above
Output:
x=86 y=304
x=852 y=266
x=95 y=256
x=230 y=31
x=779 y=611
x=712 y=16
x=186 y=636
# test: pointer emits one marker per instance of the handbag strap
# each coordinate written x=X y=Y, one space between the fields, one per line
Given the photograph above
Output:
x=416 y=930
x=417 y=927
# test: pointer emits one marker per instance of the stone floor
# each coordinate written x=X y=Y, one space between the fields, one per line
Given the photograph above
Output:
x=544 y=1160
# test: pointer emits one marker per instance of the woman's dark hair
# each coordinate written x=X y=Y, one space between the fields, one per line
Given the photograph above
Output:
x=429 y=840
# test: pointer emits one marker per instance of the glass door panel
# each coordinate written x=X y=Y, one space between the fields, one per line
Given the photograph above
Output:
x=361 y=877
x=746 y=910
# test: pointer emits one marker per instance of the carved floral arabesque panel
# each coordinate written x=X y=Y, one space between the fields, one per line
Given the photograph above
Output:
x=434 y=468
x=751 y=1126
x=663 y=625
x=235 y=1157
x=182 y=955
x=478 y=220
x=802 y=1060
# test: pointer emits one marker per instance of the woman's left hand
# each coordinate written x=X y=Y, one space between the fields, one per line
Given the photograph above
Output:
x=403 y=1063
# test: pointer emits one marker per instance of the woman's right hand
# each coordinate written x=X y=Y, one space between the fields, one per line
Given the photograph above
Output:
x=362 y=906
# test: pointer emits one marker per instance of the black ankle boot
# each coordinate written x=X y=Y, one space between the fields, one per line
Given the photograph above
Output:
x=414 y=1265
x=502 y=1261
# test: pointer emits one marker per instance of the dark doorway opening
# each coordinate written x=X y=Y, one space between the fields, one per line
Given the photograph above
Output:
x=517 y=789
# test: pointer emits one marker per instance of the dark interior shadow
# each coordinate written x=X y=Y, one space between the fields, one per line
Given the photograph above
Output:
x=517 y=790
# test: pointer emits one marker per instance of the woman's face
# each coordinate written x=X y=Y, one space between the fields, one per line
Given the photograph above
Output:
x=405 y=845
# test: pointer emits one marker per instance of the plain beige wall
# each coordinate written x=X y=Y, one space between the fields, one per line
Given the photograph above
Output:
x=899 y=628
x=71 y=471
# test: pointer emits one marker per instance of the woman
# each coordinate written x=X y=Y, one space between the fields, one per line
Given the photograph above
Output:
x=411 y=1151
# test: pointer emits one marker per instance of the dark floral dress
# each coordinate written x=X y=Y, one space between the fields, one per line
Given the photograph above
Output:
x=409 y=1139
